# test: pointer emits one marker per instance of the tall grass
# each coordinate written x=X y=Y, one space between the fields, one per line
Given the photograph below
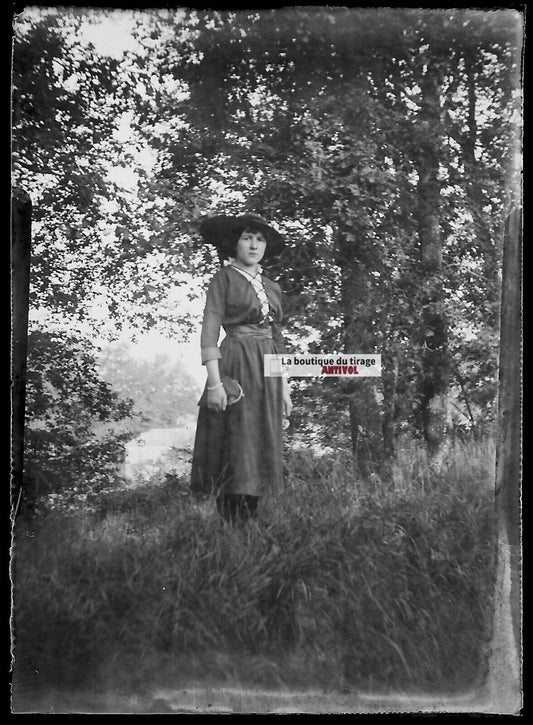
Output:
x=341 y=583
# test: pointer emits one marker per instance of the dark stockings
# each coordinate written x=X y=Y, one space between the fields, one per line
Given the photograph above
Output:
x=237 y=507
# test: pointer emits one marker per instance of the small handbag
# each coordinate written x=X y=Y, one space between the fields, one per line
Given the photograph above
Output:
x=233 y=390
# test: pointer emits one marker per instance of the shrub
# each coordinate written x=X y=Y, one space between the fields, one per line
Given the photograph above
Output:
x=76 y=426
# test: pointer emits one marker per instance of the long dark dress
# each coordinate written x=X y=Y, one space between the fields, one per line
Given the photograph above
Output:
x=239 y=450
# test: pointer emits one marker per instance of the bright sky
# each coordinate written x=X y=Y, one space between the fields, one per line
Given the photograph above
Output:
x=114 y=34
x=188 y=353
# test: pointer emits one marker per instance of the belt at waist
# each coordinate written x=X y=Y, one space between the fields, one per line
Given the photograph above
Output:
x=249 y=331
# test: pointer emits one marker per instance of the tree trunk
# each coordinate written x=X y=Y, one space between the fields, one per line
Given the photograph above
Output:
x=433 y=399
x=475 y=188
x=504 y=669
x=364 y=407
x=389 y=379
x=20 y=286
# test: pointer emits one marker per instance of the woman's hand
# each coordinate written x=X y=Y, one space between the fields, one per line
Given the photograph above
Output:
x=287 y=402
x=217 y=399
x=216 y=395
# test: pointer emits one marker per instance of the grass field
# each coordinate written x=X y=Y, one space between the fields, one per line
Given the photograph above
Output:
x=340 y=585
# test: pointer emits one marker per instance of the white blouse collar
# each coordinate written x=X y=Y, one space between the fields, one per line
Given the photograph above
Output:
x=231 y=262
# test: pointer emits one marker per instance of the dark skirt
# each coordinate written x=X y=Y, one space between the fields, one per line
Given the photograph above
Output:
x=239 y=450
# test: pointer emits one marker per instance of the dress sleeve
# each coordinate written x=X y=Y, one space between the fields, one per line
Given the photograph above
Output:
x=213 y=311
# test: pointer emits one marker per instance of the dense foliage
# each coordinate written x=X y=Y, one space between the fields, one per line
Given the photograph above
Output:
x=381 y=141
x=75 y=430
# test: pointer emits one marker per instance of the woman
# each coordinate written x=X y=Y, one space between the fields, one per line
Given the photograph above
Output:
x=238 y=446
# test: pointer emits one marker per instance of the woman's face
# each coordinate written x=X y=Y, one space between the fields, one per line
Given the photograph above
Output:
x=250 y=248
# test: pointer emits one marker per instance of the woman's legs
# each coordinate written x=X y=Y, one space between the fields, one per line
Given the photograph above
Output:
x=249 y=504
x=237 y=507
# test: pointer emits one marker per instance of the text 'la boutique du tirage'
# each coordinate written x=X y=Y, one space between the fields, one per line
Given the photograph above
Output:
x=303 y=366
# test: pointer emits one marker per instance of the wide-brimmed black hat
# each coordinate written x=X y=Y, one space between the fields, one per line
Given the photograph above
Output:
x=223 y=231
